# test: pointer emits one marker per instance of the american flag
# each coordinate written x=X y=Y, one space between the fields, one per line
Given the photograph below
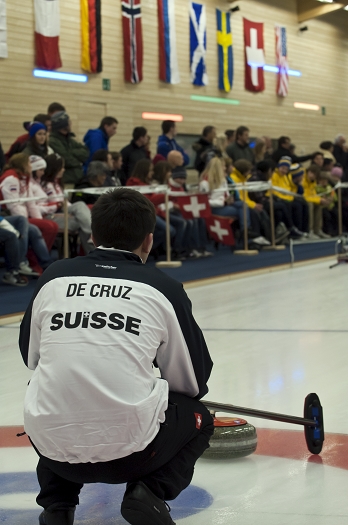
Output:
x=282 y=61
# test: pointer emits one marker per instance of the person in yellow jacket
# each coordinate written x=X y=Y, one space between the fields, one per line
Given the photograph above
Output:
x=260 y=222
x=284 y=178
x=315 y=202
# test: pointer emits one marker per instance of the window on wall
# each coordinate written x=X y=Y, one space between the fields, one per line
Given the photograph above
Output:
x=185 y=140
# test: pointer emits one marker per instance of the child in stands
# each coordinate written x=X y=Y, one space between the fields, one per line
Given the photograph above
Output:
x=330 y=210
x=315 y=203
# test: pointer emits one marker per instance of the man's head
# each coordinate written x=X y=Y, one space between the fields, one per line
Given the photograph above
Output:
x=230 y=135
x=318 y=159
x=264 y=167
x=124 y=219
x=284 y=142
x=169 y=128
x=243 y=166
x=284 y=165
x=61 y=123
x=104 y=156
x=54 y=107
x=175 y=158
x=109 y=126
x=340 y=140
x=97 y=173
x=209 y=133
x=242 y=135
x=327 y=145
x=140 y=136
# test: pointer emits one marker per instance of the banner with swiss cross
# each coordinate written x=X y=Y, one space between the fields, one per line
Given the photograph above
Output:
x=194 y=206
x=220 y=230
x=254 y=56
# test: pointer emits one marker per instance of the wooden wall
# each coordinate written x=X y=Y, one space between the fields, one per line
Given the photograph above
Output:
x=320 y=53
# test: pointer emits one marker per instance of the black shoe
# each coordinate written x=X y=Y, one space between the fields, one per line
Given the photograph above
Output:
x=141 y=507
x=295 y=233
x=60 y=517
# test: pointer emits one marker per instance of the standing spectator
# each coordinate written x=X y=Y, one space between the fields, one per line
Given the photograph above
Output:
x=166 y=141
x=62 y=142
x=21 y=142
x=315 y=203
x=284 y=150
x=240 y=149
x=55 y=107
x=230 y=136
x=340 y=151
x=134 y=152
x=37 y=144
x=96 y=139
x=96 y=176
x=203 y=147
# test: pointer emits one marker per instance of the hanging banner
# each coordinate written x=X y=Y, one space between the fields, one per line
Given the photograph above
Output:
x=3 y=30
x=168 y=58
x=198 y=44
x=91 y=53
x=132 y=41
x=47 y=29
x=220 y=230
x=254 y=56
x=282 y=61
x=225 y=50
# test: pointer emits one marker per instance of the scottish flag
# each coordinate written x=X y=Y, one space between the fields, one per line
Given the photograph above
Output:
x=198 y=44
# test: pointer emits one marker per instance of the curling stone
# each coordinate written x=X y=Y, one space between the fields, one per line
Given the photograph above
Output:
x=232 y=438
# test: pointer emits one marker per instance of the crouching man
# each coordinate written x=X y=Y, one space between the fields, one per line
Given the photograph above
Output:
x=94 y=410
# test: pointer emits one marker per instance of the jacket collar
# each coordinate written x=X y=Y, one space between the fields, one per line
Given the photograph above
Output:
x=111 y=254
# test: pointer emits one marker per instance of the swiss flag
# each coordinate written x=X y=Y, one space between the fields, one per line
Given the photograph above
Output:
x=254 y=56
x=220 y=230
x=194 y=206
x=47 y=29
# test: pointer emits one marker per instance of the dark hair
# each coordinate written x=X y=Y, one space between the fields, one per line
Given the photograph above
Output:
x=327 y=161
x=54 y=164
x=243 y=166
x=282 y=140
x=229 y=133
x=160 y=171
x=122 y=218
x=241 y=130
x=264 y=166
x=139 y=132
x=207 y=130
x=327 y=144
x=36 y=149
x=54 y=107
x=100 y=154
x=314 y=168
x=41 y=117
x=167 y=125
x=141 y=169
x=115 y=155
x=317 y=153
x=108 y=121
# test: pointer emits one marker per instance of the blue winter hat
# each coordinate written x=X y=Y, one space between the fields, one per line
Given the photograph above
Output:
x=285 y=161
x=296 y=171
x=34 y=127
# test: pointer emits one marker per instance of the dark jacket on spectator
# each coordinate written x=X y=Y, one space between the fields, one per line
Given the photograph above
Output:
x=238 y=152
x=88 y=198
x=131 y=154
x=74 y=154
x=283 y=152
x=202 y=148
x=341 y=156
x=18 y=145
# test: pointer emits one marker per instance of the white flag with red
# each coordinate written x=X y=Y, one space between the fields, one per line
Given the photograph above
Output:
x=194 y=206
x=220 y=230
x=3 y=30
x=47 y=29
x=282 y=61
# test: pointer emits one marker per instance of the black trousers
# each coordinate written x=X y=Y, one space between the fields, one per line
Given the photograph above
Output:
x=281 y=212
x=166 y=465
x=299 y=213
x=260 y=223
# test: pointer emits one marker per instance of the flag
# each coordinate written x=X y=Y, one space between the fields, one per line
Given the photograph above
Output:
x=47 y=29
x=91 y=60
x=282 y=61
x=3 y=30
x=254 y=56
x=194 y=206
x=225 y=50
x=220 y=230
x=168 y=59
x=132 y=41
x=198 y=44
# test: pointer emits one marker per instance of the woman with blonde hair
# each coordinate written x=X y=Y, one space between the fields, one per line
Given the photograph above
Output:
x=260 y=150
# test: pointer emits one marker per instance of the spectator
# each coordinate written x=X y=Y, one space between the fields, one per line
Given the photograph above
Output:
x=37 y=144
x=166 y=142
x=175 y=159
x=330 y=211
x=96 y=139
x=134 y=152
x=230 y=136
x=105 y=156
x=318 y=159
x=117 y=163
x=203 y=147
x=284 y=150
x=315 y=203
x=327 y=149
x=340 y=151
x=9 y=240
x=96 y=176
x=269 y=148
x=240 y=149
x=62 y=142
x=259 y=150
x=54 y=107
x=162 y=172
x=21 y=142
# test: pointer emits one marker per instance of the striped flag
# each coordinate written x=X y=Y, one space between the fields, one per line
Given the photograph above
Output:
x=91 y=60
x=132 y=41
x=225 y=50
x=3 y=30
x=198 y=44
x=47 y=29
x=168 y=59
x=282 y=61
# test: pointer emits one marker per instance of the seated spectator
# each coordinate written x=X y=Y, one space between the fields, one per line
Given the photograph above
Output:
x=166 y=141
x=54 y=107
x=203 y=147
x=230 y=136
x=162 y=172
x=21 y=142
x=96 y=139
x=315 y=203
x=318 y=159
x=96 y=176
x=284 y=150
x=106 y=157
x=330 y=210
x=327 y=148
x=62 y=142
x=134 y=152
x=47 y=186
x=9 y=240
x=37 y=143
x=175 y=159
x=259 y=150
x=240 y=149
x=298 y=208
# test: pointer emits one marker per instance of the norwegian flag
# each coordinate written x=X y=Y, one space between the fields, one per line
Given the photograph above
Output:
x=220 y=230
x=194 y=206
x=132 y=41
x=282 y=61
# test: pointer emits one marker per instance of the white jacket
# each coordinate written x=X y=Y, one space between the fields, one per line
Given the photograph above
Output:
x=12 y=187
x=216 y=197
